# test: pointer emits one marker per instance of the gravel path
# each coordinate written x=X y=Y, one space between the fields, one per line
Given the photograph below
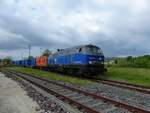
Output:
x=13 y=99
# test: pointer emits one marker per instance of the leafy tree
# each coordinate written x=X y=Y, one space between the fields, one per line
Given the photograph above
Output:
x=7 y=60
x=129 y=58
x=116 y=61
x=47 y=52
x=147 y=56
x=140 y=61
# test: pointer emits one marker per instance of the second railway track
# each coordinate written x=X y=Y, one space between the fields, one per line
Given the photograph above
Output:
x=125 y=85
x=85 y=101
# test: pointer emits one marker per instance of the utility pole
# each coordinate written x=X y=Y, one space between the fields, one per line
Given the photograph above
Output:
x=29 y=51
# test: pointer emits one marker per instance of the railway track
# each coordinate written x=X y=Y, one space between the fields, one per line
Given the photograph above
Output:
x=83 y=100
x=125 y=85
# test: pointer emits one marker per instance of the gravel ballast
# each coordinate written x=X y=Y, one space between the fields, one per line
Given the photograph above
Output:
x=131 y=97
x=86 y=100
x=47 y=102
x=127 y=96
x=13 y=98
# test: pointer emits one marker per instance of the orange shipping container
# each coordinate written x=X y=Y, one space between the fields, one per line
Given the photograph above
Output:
x=42 y=61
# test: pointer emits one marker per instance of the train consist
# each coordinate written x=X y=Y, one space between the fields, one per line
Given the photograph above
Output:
x=80 y=60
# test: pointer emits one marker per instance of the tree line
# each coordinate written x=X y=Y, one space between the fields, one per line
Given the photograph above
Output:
x=130 y=61
x=5 y=61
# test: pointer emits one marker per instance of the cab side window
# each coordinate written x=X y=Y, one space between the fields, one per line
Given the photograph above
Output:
x=80 y=49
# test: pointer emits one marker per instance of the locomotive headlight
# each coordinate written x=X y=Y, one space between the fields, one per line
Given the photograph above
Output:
x=90 y=62
x=100 y=58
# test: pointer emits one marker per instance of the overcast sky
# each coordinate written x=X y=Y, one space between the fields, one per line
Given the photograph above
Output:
x=119 y=27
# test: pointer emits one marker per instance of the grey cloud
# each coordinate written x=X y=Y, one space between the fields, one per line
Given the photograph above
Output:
x=116 y=27
x=21 y=27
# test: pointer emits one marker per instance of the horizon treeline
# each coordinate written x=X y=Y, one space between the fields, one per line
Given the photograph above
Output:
x=130 y=61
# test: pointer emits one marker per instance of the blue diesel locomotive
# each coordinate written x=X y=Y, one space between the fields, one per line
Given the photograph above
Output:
x=85 y=59
x=79 y=60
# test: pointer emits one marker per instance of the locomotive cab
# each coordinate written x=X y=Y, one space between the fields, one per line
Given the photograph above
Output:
x=94 y=54
x=94 y=59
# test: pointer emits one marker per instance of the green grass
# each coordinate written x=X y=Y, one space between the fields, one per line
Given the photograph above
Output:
x=139 y=76
x=52 y=76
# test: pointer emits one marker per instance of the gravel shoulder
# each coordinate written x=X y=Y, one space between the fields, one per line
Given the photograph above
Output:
x=13 y=98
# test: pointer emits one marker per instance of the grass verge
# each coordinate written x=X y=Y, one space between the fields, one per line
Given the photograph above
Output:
x=52 y=76
x=139 y=76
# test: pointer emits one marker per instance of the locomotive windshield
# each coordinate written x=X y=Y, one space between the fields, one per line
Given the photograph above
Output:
x=93 y=50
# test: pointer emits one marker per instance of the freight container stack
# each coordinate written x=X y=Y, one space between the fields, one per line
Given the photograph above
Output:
x=42 y=61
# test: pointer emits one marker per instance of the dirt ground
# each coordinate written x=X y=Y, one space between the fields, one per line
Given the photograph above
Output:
x=13 y=98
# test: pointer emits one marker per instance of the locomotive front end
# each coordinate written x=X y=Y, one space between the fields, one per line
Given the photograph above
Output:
x=95 y=59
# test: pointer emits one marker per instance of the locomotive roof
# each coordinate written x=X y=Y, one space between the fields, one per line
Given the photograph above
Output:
x=80 y=46
x=73 y=49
